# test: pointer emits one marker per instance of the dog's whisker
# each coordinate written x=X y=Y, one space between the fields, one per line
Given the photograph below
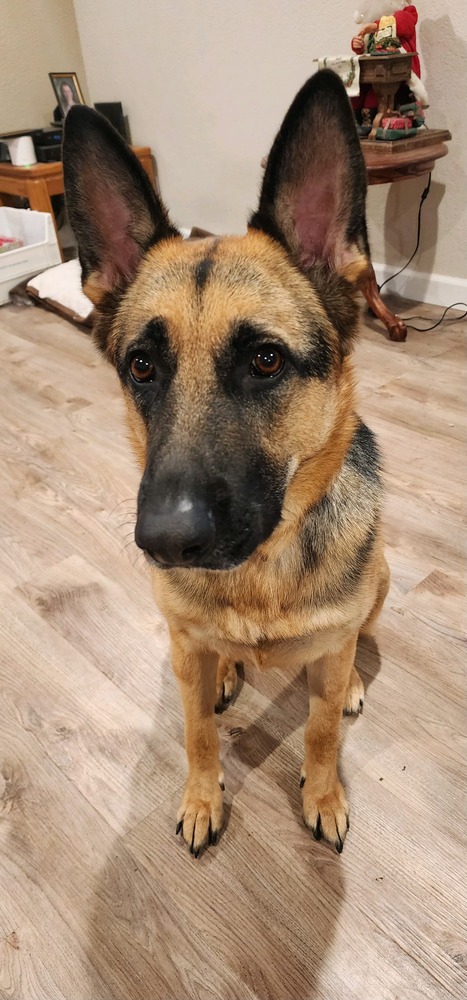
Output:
x=129 y=500
x=128 y=540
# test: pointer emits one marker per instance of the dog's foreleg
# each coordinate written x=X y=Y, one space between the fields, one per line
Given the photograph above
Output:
x=325 y=808
x=200 y=813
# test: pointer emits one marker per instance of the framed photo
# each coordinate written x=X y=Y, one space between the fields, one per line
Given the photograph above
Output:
x=67 y=90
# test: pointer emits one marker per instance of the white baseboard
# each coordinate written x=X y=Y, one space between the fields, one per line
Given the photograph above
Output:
x=437 y=289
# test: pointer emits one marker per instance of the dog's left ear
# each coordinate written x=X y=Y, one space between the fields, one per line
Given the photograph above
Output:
x=314 y=188
x=112 y=207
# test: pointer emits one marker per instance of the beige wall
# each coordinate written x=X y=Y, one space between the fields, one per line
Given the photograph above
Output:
x=205 y=83
x=36 y=37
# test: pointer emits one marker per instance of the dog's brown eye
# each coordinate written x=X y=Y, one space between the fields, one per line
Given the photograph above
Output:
x=141 y=367
x=268 y=362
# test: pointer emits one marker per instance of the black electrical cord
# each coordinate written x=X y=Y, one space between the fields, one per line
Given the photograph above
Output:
x=422 y=199
x=422 y=329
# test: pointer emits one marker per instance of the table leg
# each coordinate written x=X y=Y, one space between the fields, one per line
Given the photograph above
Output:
x=395 y=325
x=385 y=93
x=39 y=200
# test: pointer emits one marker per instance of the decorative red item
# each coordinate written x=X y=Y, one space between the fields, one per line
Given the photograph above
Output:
x=404 y=123
x=9 y=243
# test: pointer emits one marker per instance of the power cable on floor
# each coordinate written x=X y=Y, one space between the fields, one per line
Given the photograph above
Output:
x=422 y=329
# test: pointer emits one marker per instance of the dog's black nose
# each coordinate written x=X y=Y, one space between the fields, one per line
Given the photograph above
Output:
x=183 y=536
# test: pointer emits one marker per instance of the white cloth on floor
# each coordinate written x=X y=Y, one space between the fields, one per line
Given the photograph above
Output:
x=62 y=284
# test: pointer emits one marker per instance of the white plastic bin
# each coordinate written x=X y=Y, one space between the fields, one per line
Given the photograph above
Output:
x=40 y=250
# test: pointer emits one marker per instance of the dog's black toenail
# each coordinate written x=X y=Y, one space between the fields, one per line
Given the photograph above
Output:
x=347 y=820
x=302 y=781
x=316 y=830
x=339 y=844
x=196 y=853
x=178 y=826
x=222 y=786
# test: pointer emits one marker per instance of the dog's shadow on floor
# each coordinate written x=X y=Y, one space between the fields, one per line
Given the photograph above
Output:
x=163 y=924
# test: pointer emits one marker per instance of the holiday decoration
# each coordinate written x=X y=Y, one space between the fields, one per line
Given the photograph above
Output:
x=387 y=28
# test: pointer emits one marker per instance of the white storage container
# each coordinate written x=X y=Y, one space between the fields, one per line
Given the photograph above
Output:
x=40 y=250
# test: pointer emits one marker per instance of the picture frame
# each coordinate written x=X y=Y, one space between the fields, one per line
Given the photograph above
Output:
x=67 y=90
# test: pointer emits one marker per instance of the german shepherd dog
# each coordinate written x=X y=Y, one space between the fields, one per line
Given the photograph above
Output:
x=260 y=498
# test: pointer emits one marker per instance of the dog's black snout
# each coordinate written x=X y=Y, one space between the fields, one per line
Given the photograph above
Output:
x=183 y=536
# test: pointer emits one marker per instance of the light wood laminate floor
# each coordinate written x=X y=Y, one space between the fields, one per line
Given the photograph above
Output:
x=98 y=898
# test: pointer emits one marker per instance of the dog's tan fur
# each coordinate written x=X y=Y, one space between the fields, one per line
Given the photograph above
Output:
x=270 y=610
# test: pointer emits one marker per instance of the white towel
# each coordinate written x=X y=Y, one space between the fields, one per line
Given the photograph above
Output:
x=348 y=68
x=62 y=284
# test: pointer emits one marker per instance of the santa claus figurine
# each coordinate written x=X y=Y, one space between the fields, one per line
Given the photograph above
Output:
x=386 y=27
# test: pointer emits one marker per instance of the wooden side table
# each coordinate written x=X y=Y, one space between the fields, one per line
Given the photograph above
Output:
x=39 y=182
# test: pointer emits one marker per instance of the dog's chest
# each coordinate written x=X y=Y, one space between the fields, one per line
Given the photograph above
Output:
x=253 y=623
x=276 y=643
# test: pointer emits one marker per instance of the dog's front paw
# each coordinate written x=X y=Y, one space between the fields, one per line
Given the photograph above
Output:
x=355 y=694
x=226 y=683
x=326 y=814
x=200 y=815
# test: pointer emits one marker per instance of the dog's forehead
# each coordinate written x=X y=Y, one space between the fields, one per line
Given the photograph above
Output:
x=202 y=288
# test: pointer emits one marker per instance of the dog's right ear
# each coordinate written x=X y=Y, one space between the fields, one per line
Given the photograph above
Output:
x=313 y=193
x=113 y=209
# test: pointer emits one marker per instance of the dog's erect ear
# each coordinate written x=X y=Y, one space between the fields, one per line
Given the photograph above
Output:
x=112 y=207
x=314 y=188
